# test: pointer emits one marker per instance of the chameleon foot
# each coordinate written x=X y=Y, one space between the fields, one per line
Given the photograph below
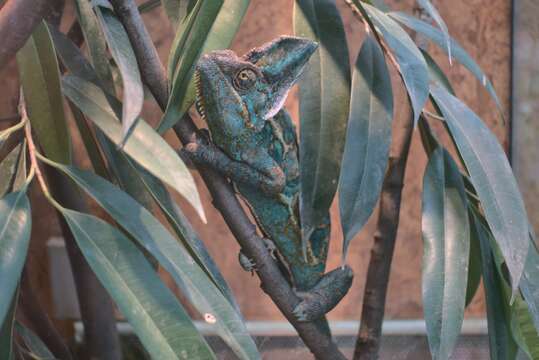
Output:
x=246 y=263
x=270 y=245
x=325 y=295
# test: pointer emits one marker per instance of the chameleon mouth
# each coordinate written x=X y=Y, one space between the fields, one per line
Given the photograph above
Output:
x=199 y=99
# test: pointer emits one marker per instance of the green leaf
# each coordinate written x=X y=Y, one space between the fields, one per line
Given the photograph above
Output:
x=501 y=343
x=523 y=328
x=446 y=247
x=324 y=96
x=436 y=74
x=6 y=331
x=120 y=47
x=208 y=31
x=474 y=266
x=492 y=178
x=529 y=284
x=144 y=145
x=435 y=15
x=412 y=65
x=15 y=228
x=97 y=46
x=177 y=10
x=38 y=350
x=368 y=139
x=8 y=169
x=38 y=69
x=158 y=319
x=459 y=53
x=153 y=236
x=189 y=238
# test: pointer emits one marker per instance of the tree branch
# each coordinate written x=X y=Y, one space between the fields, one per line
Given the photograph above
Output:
x=224 y=199
x=18 y=18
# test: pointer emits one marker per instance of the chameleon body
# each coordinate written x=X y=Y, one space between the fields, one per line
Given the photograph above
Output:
x=254 y=143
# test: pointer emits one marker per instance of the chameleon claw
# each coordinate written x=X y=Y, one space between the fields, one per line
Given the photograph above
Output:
x=246 y=263
x=270 y=245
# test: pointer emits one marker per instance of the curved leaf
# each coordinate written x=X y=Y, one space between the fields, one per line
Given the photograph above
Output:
x=40 y=80
x=524 y=331
x=474 y=266
x=445 y=230
x=324 y=100
x=97 y=46
x=15 y=228
x=529 y=284
x=153 y=236
x=185 y=232
x=144 y=145
x=6 y=331
x=210 y=31
x=34 y=344
x=492 y=178
x=120 y=48
x=158 y=319
x=501 y=343
x=412 y=65
x=368 y=139
x=435 y=72
x=8 y=169
x=435 y=15
x=459 y=53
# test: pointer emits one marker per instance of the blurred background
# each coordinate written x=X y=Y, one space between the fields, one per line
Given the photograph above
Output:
x=505 y=46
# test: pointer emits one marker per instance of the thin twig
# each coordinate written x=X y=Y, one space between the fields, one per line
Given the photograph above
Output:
x=224 y=199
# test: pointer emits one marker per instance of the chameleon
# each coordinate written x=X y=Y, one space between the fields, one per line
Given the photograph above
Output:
x=252 y=141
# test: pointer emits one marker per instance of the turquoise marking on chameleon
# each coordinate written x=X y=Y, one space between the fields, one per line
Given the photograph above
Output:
x=255 y=145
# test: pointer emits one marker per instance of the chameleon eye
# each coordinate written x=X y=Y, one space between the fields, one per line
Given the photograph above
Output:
x=244 y=79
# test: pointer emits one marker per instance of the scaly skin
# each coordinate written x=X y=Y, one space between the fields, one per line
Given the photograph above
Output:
x=255 y=145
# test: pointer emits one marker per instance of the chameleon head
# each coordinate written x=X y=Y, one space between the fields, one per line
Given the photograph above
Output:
x=235 y=94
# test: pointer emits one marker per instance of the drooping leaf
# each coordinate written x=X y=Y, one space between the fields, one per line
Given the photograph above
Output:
x=6 y=331
x=38 y=69
x=154 y=237
x=412 y=65
x=458 y=52
x=38 y=350
x=97 y=46
x=529 y=284
x=8 y=169
x=474 y=265
x=124 y=56
x=492 y=179
x=523 y=328
x=158 y=319
x=324 y=99
x=15 y=227
x=205 y=31
x=144 y=145
x=435 y=72
x=501 y=343
x=435 y=15
x=190 y=239
x=368 y=139
x=445 y=230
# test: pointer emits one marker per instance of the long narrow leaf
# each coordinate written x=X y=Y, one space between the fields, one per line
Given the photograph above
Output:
x=501 y=343
x=412 y=65
x=445 y=232
x=38 y=68
x=219 y=35
x=151 y=234
x=492 y=178
x=368 y=139
x=123 y=54
x=144 y=145
x=458 y=51
x=158 y=319
x=529 y=284
x=435 y=15
x=324 y=95
x=6 y=331
x=8 y=169
x=15 y=227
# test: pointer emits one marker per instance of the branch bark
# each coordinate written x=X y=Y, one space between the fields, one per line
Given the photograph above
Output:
x=18 y=18
x=374 y=296
x=224 y=198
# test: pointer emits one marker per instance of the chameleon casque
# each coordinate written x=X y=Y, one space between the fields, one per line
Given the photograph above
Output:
x=254 y=144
